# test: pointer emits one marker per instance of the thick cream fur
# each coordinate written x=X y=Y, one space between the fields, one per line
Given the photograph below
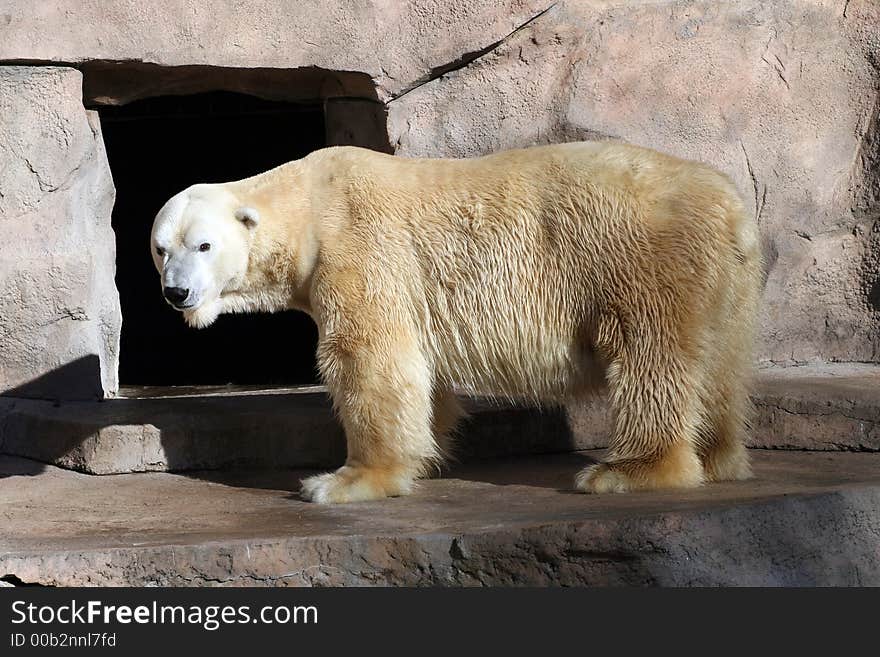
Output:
x=538 y=274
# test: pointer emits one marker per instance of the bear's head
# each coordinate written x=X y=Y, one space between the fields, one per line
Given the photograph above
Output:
x=200 y=243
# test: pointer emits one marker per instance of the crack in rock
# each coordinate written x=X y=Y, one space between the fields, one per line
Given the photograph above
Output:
x=44 y=186
x=760 y=196
x=779 y=68
x=816 y=413
x=77 y=314
x=467 y=58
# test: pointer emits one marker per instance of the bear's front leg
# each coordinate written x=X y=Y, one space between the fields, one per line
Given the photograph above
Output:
x=381 y=387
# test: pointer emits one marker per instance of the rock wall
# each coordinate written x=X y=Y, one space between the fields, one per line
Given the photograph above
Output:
x=396 y=43
x=59 y=309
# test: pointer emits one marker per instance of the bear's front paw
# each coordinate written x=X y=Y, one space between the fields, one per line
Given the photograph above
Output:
x=355 y=484
x=600 y=478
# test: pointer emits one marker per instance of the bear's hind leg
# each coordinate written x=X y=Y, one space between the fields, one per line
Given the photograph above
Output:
x=382 y=392
x=726 y=460
x=653 y=445
x=722 y=450
x=447 y=413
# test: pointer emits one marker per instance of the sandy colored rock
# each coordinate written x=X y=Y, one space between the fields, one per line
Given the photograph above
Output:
x=59 y=308
x=821 y=407
x=233 y=430
x=395 y=43
x=807 y=519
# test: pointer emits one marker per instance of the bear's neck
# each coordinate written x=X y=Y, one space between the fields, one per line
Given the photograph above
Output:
x=282 y=254
x=276 y=279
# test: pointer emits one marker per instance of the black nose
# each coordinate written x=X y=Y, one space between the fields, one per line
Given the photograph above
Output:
x=176 y=295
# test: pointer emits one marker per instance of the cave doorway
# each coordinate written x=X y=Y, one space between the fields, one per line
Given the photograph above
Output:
x=156 y=147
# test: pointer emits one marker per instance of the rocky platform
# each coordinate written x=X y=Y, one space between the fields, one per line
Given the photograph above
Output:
x=818 y=407
x=808 y=518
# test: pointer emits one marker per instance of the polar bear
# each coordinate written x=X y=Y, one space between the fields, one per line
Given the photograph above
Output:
x=544 y=273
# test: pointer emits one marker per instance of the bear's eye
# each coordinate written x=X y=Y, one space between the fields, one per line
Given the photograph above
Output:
x=204 y=246
x=160 y=252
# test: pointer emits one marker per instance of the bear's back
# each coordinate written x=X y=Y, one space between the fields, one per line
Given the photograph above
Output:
x=513 y=255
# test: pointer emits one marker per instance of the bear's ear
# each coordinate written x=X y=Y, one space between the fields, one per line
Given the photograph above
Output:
x=248 y=216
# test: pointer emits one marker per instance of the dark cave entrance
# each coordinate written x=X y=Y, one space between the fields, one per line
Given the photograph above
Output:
x=157 y=147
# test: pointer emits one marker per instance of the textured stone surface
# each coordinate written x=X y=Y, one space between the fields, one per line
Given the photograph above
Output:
x=395 y=43
x=356 y=122
x=829 y=407
x=281 y=428
x=820 y=407
x=823 y=406
x=118 y=83
x=123 y=435
x=59 y=309
x=807 y=519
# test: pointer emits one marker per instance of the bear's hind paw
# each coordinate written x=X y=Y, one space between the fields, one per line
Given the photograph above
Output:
x=679 y=468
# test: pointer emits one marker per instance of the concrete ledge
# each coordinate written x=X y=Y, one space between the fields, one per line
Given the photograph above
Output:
x=809 y=518
x=832 y=406
x=280 y=428
x=230 y=428
x=233 y=428
x=827 y=407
